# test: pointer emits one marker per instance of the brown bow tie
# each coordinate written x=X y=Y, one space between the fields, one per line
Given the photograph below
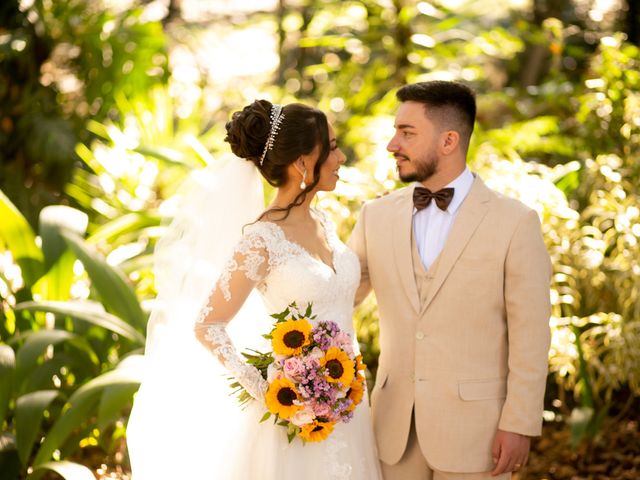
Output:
x=422 y=198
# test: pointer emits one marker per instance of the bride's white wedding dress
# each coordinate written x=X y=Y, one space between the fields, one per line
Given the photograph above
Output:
x=283 y=272
x=231 y=442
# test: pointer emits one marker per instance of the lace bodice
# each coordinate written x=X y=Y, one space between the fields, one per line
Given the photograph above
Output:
x=283 y=272
x=294 y=274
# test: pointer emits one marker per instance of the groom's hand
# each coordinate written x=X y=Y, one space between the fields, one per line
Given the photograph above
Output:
x=510 y=451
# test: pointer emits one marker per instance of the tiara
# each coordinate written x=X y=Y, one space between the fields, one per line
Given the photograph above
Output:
x=276 y=120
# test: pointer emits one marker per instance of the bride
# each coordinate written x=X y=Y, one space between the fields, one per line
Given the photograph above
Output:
x=224 y=251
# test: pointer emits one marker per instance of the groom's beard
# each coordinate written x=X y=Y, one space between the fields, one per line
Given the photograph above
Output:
x=425 y=168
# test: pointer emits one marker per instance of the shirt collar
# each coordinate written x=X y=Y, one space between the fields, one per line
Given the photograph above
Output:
x=461 y=185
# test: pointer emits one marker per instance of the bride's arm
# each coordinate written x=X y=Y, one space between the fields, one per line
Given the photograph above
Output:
x=247 y=267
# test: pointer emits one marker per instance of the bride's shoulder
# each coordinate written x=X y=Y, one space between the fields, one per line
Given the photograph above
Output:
x=262 y=228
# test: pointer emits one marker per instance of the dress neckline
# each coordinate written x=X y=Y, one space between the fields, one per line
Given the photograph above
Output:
x=302 y=249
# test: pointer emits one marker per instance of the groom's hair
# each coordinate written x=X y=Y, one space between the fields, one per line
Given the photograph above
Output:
x=452 y=105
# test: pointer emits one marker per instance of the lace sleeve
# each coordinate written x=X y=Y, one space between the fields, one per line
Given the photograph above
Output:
x=244 y=270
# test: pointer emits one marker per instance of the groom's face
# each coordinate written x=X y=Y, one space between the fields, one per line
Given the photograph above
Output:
x=414 y=143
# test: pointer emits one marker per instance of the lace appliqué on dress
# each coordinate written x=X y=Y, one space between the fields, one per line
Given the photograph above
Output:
x=334 y=445
x=250 y=247
x=249 y=377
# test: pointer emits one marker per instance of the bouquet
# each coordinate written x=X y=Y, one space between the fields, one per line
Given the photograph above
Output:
x=315 y=379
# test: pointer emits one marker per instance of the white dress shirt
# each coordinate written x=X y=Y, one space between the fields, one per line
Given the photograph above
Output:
x=431 y=225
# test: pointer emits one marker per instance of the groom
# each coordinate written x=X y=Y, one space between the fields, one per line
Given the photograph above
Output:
x=461 y=277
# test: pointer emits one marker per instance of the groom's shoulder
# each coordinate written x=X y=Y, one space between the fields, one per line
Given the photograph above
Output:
x=388 y=198
x=508 y=205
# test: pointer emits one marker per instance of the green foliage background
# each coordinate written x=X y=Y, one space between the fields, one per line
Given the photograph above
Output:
x=99 y=124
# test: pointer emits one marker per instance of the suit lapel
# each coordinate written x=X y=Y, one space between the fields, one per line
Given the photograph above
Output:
x=402 y=225
x=472 y=211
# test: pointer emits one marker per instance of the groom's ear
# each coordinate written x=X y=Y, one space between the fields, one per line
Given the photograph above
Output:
x=450 y=140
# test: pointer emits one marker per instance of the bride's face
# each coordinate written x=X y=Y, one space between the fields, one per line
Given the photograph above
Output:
x=329 y=170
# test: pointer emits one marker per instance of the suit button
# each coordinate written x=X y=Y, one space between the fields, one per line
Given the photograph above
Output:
x=411 y=377
x=419 y=335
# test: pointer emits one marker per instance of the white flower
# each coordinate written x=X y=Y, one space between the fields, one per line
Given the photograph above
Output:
x=302 y=417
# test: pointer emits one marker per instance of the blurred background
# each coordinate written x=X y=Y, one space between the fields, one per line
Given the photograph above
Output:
x=107 y=105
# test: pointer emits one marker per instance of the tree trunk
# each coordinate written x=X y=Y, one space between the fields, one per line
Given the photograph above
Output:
x=633 y=21
x=535 y=58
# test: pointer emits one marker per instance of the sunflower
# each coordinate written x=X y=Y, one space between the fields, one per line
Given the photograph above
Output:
x=289 y=337
x=280 y=397
x=356 y=392
x=316 y=431
x=339 y=367
x=360 y=366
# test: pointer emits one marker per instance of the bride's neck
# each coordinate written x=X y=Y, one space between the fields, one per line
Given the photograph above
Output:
x=286 y=196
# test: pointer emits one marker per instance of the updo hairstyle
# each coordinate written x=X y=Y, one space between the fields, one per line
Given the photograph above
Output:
x=301 y=130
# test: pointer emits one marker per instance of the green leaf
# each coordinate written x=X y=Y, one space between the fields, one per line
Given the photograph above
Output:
x=67 y=470
x=57 y=282
x=131 y=222
x=53 y=220
x=81 y=408
x=16 y=233
x=9 y=462
x=168 y=155
x=116 y=293
x=91 y=312
x=569 y=182
x=35 y=345
x=113 y=401
x=579 y=421
x=7 y=372
x=265 y=417
x=41 y=376
x=29 y=413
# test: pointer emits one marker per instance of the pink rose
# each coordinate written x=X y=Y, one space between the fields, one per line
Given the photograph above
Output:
x=321 y=409
x=293 y=368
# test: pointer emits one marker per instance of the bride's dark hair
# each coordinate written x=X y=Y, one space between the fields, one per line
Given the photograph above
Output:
x=302 y=129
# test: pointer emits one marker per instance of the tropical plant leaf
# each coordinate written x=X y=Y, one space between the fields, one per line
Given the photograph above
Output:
x=66 y=469
x=41 y=377
x=34 y=346
x=28 y=418
x=116 y=293
x=53 y=220
x=81 y=406
x=57 y=282
x=114 y=399
x=7 y=372
x=10 y=466
x=16 y=233
x=91 y=312
x=168 y=155
x=131 y=222
x=579 y=421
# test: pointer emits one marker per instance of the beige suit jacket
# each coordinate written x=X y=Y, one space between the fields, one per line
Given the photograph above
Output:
x=473 y=357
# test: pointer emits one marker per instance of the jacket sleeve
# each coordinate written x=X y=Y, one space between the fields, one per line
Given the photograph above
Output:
x=528 y=308
x=358 y=243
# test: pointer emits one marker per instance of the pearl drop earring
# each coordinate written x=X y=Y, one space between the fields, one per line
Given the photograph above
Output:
x=303 y=185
